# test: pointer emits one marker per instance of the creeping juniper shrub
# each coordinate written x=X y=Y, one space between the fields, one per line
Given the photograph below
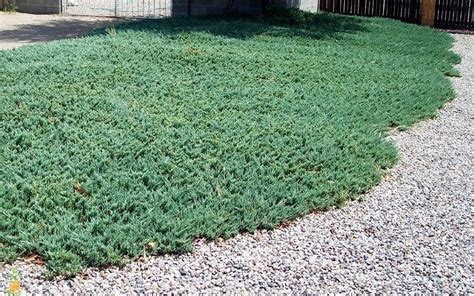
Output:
x=163 y=131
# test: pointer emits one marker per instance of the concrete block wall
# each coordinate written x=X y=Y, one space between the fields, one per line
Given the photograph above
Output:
x=214 y=7
x=37 y=6
x=217 y=7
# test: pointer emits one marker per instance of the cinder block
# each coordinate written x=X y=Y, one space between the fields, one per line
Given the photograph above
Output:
x=241 y=3
x=34 y=2
x=255 y=4
x=249 y=11
x=179 y=2
x=39 y=6
x=216 y=10
x=179 y=10
x=55 y=3
x=205 y=2
x=220 y=3
x=281 y=3
x=37 y=9
x=20 y=3
x=198 y=10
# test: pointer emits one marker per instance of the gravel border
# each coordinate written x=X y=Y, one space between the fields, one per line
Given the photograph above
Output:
x=412 y=233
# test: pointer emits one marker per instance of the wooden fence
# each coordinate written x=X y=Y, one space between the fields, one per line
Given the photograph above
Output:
x=449 y=14
x=454 y=14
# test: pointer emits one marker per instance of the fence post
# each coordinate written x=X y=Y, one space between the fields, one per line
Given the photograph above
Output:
x=427 y=10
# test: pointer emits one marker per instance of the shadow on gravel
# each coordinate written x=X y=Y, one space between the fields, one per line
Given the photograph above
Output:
x=50 y=30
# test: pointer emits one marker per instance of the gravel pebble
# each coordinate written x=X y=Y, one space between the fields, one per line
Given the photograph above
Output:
x=412 y=233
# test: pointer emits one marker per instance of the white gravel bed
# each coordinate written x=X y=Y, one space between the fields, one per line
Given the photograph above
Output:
x=412 y=233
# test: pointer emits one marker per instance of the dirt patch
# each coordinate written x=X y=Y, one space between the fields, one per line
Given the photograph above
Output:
x=17 y=29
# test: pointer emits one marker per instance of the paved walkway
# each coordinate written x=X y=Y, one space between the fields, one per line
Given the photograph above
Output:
x=17 y=29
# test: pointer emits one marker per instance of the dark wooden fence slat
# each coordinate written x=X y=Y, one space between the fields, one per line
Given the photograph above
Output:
x=460 y=12
x=439 y=12
x=465 y=11
x=470 y=14
x=452 y=11
x=412 y=15
x=406 y=7
x=402 y=9
x=445 y=11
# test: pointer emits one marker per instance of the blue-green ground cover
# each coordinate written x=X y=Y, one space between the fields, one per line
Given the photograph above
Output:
x=157 y=132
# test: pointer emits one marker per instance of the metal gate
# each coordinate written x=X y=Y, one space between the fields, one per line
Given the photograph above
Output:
x=118 y=8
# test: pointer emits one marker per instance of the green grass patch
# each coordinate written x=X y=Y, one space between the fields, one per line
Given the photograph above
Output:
x=165 y=131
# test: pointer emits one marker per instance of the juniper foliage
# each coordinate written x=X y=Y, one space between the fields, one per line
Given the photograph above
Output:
x=169 y=130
